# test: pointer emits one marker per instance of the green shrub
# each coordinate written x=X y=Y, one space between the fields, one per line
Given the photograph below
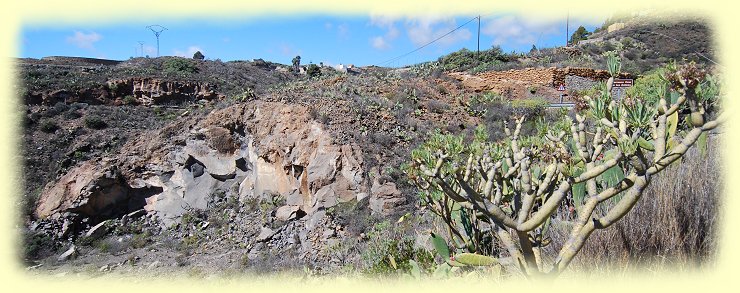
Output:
x=129 y=100
x=533 y=103
x=465 y=59
x=95 y=122
x=389 y=252
x=648 y=86
x=313 y=70
x=71 y=115
x=531 y=107
x=189 y=242
x=140 y=240
x=165 y=114
x=579 y=35
x=247 y=95
x=61 y=107
x=35 y=244
x=180 y=66
x=103 y=245
x=48 y=126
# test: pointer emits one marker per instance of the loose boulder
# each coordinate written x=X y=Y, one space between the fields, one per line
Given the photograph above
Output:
x=91 y=189
x=385 y=198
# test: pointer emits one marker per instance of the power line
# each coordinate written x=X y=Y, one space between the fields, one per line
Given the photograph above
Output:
x=427 y=44
x=567 y=19
x=537 y=43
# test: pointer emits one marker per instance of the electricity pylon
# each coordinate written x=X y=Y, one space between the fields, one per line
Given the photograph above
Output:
x=141 y=43
x=157 y=29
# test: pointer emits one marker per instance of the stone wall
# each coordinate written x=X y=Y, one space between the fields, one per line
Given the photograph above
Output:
x=560 y=74
x=535 y=76
x=546 y=80
x=577 y=83
x=615 y=27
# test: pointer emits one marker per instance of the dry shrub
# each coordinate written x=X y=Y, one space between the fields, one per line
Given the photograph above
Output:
x=220 y=139
x=435 y=106
x=674 y=224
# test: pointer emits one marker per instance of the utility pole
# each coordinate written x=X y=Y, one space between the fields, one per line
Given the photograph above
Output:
x=567 y=18
x=478 y=52
x=157 y=29
x=537 y=44
x=141 y=43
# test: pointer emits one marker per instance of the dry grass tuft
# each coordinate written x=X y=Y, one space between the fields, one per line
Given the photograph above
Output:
x=220 y=139
x=674 y=224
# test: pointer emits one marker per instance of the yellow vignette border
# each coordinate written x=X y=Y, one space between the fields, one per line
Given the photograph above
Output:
x=48 y=14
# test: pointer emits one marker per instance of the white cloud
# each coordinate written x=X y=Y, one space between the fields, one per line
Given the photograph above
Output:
x=189 y=52
x=419 y=30
x=507 y=29
x=426 y=29
x=379 y=43
x=288 y=50
x=391 y=32
x=83 y=40
x=150 y=50
x=519 y=31
x=382 y=21
x=343 y=30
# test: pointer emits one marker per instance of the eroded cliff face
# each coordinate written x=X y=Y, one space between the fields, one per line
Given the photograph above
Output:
x=144 y=91
x=252 y=151
x=149 y=91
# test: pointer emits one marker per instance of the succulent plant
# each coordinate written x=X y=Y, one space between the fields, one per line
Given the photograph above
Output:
x=613 y=63
x=503 y=194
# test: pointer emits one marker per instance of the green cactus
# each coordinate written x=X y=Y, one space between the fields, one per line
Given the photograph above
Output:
x=442 y=272
x=509 y=191
x=440 y=246
x=454 y=263
x=415 y=271
x=613 y=63
x=472 y=259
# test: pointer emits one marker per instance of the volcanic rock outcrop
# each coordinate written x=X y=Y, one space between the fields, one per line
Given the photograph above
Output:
x=250 y=151
x=145 y=91
x=150 y=91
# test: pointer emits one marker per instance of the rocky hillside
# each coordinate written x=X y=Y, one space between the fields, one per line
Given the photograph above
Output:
x=142 y=80
x=644 y=42
x=155 y=165
x=304 y=170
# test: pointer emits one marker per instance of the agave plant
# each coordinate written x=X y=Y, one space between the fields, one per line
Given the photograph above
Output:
x=613 y=63
x=638 y=113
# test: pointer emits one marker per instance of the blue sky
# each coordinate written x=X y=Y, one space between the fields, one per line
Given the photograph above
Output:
x=359 y=40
